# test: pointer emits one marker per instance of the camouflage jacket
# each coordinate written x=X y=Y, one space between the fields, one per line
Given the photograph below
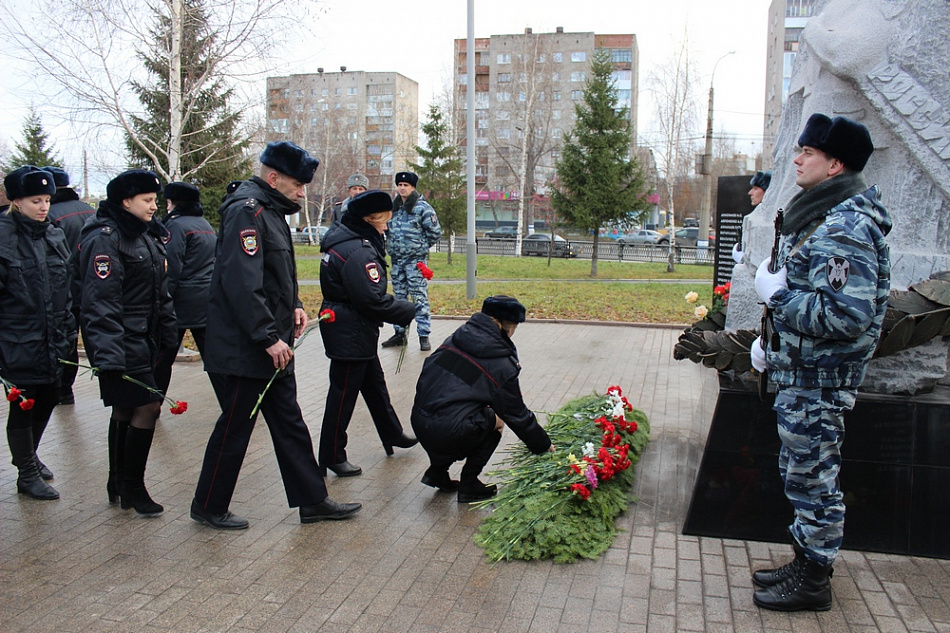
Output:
x=413 y=229
x=829 y=318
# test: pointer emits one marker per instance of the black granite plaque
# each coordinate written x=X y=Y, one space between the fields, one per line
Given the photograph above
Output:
x=732 y=204
x=895 y=473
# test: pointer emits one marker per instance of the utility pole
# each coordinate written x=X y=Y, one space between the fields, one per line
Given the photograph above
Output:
x=702 y=239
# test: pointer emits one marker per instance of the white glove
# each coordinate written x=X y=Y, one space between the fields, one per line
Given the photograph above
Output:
x=737 y=255
x=767 y=284
x=758 y=355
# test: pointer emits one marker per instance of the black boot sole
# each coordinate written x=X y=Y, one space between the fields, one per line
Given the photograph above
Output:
x=452 y=486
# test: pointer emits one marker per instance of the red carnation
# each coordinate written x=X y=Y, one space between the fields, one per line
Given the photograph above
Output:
x=13 y=394
x=180 y=407
x=425 y=270
x=27 y=404
x=581 y=491
x=328 y=315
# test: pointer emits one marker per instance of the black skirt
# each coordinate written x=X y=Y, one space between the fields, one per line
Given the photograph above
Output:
x=116 y=391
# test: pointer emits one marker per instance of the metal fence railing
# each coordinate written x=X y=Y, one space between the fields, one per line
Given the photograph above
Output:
x=606 y=251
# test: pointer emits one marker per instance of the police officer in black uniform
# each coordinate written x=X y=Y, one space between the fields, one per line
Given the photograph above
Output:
x=69 y=213
x=253 y=318
x=353 y=280
x=127 y=316
x=190 y=255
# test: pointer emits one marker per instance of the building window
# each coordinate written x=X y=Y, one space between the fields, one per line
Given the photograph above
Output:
x=522 y=97
x=501 y=115
x=373 y=150
x=351 y=90
x=579 y=75
x=621 y=55
x=463 y=79
x=555 y=114
x=504 y=133
x=577 y=95
x=555 y=76
x=556 y=132
x=325 y=92
x=504 y=58
x=623 y=96
x=350 y=106
x=337 y=91
x=504 y=78
x=503 y=96
x=298 y=107
x=578 y=56
x=541 y=58
x=325 y=106
x=556 y=95
x=558 y=57
x=313 y=92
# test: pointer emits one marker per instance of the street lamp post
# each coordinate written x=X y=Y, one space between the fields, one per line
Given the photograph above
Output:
x=702 y=240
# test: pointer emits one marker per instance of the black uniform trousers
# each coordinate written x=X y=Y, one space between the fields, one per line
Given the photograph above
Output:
x=348 y=379
x=227 y=446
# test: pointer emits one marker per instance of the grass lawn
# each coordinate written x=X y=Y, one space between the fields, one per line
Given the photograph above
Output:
x=562 y=291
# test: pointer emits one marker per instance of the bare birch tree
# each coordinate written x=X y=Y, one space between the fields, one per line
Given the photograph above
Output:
x=86 y=54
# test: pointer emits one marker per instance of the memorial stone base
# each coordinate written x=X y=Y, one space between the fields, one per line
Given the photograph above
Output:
x=895 y=473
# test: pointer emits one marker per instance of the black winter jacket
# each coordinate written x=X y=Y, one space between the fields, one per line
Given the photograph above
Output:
x=69 y=213
x=35 y=318
x=126 y=315
x=469 y=379
x=353 y=281
x=254 y=284
x=190 y=254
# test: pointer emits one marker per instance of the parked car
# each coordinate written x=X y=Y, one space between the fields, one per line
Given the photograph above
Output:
x=689 y=236
x=302 y=236
x=643 y=237
x=503 y=233
x=539 y=244
x=691 y=222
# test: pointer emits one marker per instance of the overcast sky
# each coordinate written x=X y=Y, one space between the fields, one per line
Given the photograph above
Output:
x=415 y=38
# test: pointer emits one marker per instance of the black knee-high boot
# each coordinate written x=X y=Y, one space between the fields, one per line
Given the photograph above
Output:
x=117 y=431
x=29 y=481
x=138 y=442
x=39 y=426
x=470 y=488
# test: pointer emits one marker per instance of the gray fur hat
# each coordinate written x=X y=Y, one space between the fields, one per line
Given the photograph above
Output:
x=357 y=180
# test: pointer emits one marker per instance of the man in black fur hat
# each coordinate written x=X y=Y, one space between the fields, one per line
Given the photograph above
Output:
x=828 y=299
x=254 y=316
x=467 y=392
x=758 y=186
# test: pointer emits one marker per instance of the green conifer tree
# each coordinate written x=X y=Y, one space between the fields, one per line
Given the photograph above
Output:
x=441 y=174
x=599 y=181
x=34 y=150
x=212 y=152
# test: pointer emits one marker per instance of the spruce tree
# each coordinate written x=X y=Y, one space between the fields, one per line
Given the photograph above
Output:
x=34 y=149
x=212 y=152
x=599 y=180
x=441 y=175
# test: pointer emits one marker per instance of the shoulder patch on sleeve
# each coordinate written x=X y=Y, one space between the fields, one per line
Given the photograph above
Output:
x=838 y=270
x=372 y=271
x=102 y=265
x=249 y=241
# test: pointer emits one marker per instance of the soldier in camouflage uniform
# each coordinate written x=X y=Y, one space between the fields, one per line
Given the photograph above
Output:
x=412 y=231
x=828 y=301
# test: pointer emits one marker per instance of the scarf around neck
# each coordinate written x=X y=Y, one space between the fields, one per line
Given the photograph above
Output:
x=807 y=206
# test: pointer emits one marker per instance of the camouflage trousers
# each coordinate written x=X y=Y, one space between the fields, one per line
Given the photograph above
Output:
x=410 y=285
x=811 y=427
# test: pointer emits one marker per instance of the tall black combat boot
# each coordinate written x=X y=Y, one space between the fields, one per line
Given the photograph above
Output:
x=808 y=588
x=29 y=482
x=117 y=431
x=39 y=427
x=772 y=577
x=138 y=442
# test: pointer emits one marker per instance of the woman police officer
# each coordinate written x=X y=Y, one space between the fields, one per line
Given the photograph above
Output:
x=127 y=317
x=35 y=320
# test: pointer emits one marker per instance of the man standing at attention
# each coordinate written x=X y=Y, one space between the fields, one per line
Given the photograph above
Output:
x=253 y=318
x=355 y=185
x=412 y=231
x=828 y=300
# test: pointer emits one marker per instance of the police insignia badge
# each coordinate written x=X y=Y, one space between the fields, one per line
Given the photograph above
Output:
x=102 y=265
x=372 y=271
x=838 y=270
x=249 y=241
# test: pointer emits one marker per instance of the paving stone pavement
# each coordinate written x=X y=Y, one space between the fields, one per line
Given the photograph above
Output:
x=407 y=561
